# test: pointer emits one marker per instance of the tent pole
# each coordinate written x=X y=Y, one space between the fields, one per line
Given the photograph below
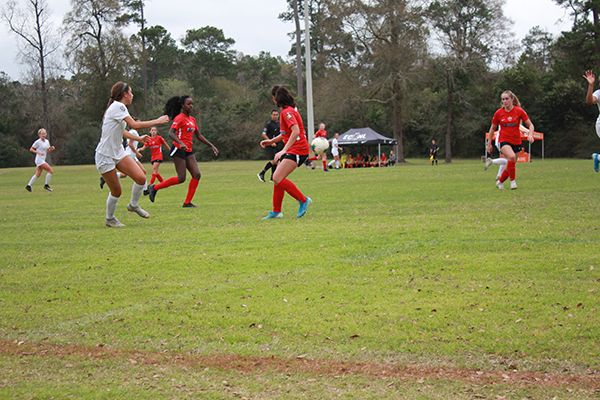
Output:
x=529 y=151
x=379 y=154
x=309 y=87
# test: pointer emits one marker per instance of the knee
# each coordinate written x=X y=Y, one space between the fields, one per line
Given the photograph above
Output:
x=50 y=171
x=181 y=178
x=116 y=192
x=197 y=176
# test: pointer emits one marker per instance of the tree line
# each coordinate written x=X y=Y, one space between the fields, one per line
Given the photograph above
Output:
x=411 y=70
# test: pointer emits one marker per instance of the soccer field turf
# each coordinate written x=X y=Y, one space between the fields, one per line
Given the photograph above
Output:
x=391 y=267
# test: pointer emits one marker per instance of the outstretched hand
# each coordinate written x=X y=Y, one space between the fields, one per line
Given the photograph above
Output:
x=589 y=76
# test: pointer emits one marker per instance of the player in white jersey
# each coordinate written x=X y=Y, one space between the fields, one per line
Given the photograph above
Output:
x=110 y=154
x=335 y=151
x=593 y=98
x=40 y=148
x=132 y=151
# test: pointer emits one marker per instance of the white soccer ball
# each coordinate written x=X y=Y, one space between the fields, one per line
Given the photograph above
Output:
x=319 y=145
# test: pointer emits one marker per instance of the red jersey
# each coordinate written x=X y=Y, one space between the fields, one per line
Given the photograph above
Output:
x=155 y=144
x=185 y=127
x=288 y=118
x=508 y=123
x=321 y=133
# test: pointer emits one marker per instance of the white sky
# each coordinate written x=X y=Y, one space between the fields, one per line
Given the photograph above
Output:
x=254 y=25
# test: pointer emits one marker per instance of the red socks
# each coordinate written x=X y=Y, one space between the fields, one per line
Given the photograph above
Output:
x=160 y=178
x=278 y=193
x=191 y=190
x=324 y=164
x=169 y=182
x=509 y=172
x=292 y=190
x=152 y=179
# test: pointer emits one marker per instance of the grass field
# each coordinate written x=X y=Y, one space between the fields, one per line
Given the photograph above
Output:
x=407 y=282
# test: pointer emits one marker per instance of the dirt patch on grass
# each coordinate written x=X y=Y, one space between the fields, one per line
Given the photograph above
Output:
x=588 y=381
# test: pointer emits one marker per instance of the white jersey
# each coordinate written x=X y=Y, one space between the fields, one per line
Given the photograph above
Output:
x=113 y=126
x=128 y=150
x=597 y=96
x=334 y=149
x=43 y=146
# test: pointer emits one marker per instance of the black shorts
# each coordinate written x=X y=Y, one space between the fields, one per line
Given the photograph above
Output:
x=177 y=152
x=295 y=157
x=515 y=147
x=271 y=151
x=158 y=161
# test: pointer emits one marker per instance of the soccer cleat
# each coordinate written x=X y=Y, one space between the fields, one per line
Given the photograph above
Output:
x=146 y=192
x=113 y=223
x=337 y=168
x=102 y=182
x=273 y=214
x=488 y=162
x=596 y=162
x=271 y=180
x=513 y=185
x=326 y=170
x=138 y=210
x=151 y=193
x=28 y=188
x=304 y=207
x=189 y=205
x=499 y=185
x=48 y=188
x=261 y=176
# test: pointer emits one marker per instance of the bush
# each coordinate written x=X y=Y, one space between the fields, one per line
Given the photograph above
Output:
x=12 y=154
x=81 y=146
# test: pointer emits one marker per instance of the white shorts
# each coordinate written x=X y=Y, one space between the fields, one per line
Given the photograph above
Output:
x=39 y=162
x=334 y=152
x=134 y=158
x=105 y=164
x=598 y=127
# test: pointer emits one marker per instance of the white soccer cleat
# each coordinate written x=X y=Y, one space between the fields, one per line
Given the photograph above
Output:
x=113 y=223
x=513 y=185
x=499 y=185
x=138 y=210
x=488 y=162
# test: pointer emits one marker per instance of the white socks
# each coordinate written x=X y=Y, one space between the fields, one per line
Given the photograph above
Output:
x=111 y=206
x=337 y=164
x=48 y=176
x=32 y=180
x=499 y=161
x=501 y=169
x=136 y=193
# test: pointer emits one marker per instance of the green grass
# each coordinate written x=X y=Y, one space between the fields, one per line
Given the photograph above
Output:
x=413 y=265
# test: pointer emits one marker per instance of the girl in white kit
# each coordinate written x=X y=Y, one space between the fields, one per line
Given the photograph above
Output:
x=40 y=148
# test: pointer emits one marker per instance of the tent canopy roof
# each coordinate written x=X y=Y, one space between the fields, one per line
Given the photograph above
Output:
x=364 y=136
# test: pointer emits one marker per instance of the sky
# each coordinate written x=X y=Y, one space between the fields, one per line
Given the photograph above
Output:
x=254 y=25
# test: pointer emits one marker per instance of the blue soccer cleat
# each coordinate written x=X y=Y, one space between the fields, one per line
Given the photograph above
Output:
x=596 y=162
x=303 y=207
x=273 y=214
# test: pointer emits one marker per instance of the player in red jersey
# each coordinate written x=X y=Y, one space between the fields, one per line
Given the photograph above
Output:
x=182 y=132
x=155 y=145
x=323 y=157
x=508 y=118
x=293 y=154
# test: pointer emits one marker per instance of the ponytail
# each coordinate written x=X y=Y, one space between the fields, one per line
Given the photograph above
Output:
x=173 y=106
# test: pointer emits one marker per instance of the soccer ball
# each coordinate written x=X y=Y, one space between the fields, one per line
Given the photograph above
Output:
x=319 y=145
